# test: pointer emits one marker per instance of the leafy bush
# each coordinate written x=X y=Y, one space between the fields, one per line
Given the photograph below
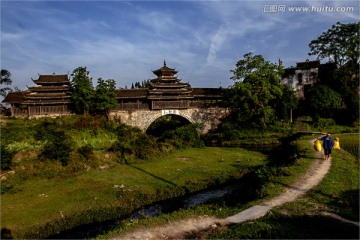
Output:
x=6 y=157
x=58 y=144
x=144 y=147
x=58 y=147
x=326 y=122
x=133 y=142
x=86 y=150
x=43 y=131
x=183 y=137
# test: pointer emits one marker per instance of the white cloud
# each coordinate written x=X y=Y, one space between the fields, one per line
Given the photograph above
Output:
x=126 y=40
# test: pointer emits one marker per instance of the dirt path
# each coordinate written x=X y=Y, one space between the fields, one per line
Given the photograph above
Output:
x=175 y=230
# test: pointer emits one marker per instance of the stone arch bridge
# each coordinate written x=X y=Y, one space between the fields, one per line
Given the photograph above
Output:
x=166 y=94
x=208 y=118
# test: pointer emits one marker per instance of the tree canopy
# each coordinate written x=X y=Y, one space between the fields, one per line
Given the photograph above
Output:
x=105 y=96
x=6 y=80
x=340 y=44
x=82 y=90
x=323 y=100
x=257 y=92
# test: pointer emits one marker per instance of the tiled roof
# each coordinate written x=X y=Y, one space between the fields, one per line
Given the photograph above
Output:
x=308 y=64
x=47 y=102
x=288 y=72
x=14 y=97
x=46 y=96
x=160 y=71
x=49 y=89
x=52 y=79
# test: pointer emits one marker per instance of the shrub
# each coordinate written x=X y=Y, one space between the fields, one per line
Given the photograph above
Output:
x=326 y=122
x=6 y=157
x=183 y=137
x=144 y=147
x=44 y=129
x=132 y=141
x=58 y=147
x=58 y=144
x=86 y=151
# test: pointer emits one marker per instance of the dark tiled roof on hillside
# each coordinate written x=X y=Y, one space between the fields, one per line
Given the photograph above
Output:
x=289 y=71
x=308 y=64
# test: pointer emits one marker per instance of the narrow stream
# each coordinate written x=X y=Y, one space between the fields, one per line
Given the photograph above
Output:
x=167 y=206
x=156 y=209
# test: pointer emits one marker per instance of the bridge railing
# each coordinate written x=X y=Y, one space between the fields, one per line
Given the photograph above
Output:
x=205 y=104
x=169 y=104
x=132 y=106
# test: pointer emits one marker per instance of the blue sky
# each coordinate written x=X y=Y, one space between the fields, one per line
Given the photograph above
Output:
x=126 y=40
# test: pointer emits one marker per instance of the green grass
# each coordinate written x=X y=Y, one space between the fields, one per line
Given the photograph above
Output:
x=99 y=140
x=44 y=197
x=232 y=204
x=41 y=207
x=338 y=193
x=350 y=143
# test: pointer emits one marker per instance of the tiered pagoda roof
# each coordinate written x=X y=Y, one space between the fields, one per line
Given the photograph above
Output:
x=50 y=89
x=168 y=86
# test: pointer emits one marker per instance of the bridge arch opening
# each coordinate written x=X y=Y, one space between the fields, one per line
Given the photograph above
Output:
x=165 y=123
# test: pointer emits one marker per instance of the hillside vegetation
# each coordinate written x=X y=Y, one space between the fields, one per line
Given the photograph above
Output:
x=98 y=171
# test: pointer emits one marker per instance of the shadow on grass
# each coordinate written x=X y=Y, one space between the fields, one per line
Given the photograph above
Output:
x=152 y=175
x=346 y=204
x=278 y=226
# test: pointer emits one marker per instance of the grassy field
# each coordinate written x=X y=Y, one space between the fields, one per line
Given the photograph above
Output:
x=303 y=219
x=42 y=197
x=39 y=207
x=308 y=217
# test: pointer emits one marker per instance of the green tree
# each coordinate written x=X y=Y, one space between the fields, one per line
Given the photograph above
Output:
x=257 y=88
x=6 y=80
x=82 y=90
x=105 y=96
x=323 y=101
x=286 y=103
x=340 y=44
x=348 y=86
